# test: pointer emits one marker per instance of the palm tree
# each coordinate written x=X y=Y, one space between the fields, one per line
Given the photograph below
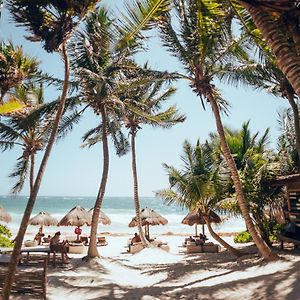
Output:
x=265 y=74
x=204 y=44
x=198 y=185
x=101 y=61
x=52 y=23
x=27 y=132
x=97 y=67
x=15 y=68
x=256 y=164
x=143 y=106
x=284 y=43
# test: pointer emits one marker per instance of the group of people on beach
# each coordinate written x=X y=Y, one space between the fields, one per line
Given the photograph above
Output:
x=55 y=244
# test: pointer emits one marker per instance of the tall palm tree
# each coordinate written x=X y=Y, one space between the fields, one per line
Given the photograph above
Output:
x=283 y=40
x=204 y=44
x=198 y=185
x=52 y=23
x=143 y=106
x=101 y=61
x=98 y=66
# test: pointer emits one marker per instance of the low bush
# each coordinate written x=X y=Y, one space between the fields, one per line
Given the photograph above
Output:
x=5 y=242
x=243 y=237
x=5 y=231
x=5 y=234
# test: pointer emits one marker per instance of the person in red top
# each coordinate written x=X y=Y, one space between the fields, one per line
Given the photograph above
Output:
x=78 y=231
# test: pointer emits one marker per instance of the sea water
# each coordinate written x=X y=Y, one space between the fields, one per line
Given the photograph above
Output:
x=119 y=209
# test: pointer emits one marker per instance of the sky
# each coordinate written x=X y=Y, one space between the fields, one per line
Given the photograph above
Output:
x=74 y=171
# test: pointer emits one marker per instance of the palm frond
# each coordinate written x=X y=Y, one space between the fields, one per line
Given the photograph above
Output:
x=20 y=172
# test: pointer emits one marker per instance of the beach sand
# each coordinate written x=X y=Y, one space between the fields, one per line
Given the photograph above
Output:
x=156 y=274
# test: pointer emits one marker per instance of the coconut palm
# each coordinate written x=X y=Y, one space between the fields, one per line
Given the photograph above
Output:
x=143 y=106
x=265 y=74
x=15 y=66
x=97 y=66
x=256 y=164
x=52 y=23
x=198 y=185
x=282 y=38
x=27 y=132
x=101 y=67
x=204 y=44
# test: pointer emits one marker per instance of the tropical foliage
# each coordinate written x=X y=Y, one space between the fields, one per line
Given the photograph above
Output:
x=198 y=185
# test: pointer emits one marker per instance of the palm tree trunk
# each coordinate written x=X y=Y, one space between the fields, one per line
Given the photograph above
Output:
x=24 y=223
x=31 y=175
x=93 y=251
x=261 y=245
x=232 y=250
x=295 y=110
x=288 y=61
x=135 y=190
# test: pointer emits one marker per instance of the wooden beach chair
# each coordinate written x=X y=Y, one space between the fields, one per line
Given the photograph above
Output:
x=286 y=239
x=101 y=241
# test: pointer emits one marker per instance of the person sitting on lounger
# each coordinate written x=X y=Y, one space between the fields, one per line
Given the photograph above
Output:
x=38 y=236
x=136 y=239
x=57 y=246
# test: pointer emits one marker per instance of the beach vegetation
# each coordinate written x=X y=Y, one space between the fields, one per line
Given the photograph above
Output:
x=199 y=184
x=243 y=237
x=16 y=69
x=101 y=57
x=256 y=165
x=51 y=23
x=277 y=24
x=203 y=42
x=143 y=106
x=5 y=235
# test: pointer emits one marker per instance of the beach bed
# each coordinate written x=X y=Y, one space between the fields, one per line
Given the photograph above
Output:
x=284 y=239
x=191 y=247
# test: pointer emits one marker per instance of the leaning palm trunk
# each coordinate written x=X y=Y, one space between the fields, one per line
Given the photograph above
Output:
x=295 y=110
x=135 y=187
x=93 y=251
x=232 y=250
x=24 y=223
x=261 y=245
x=287 y=60
x=31 y=176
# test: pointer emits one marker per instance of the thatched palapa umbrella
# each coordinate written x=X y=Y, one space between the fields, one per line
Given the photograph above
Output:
x=43 y=219
x=4 y=215
x=77 y=216
x=149 y=217
x=103 y=218
x=196 y=218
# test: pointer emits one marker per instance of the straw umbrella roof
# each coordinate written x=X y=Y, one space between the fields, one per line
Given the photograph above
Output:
x=4 y=215
x=77 y=216
x=43 y=219
x=103 y=218
x=149 y=217
x=196 y=218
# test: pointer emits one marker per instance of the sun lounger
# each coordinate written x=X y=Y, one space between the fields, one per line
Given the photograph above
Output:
x=283 y=239
x=135 y=247
x=101 y=241
x=191 y=247
x=77 y=248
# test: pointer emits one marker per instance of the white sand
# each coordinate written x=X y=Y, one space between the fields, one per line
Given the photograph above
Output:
x=155 y=274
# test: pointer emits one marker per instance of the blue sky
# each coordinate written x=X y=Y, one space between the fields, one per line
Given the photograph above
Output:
x=73 y=171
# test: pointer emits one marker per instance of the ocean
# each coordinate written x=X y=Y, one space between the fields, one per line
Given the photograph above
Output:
x=119 y=209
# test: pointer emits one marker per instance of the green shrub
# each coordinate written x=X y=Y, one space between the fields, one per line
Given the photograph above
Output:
x=5 y=231
x=243 y=237
x=5 y=242
x=277 y=228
